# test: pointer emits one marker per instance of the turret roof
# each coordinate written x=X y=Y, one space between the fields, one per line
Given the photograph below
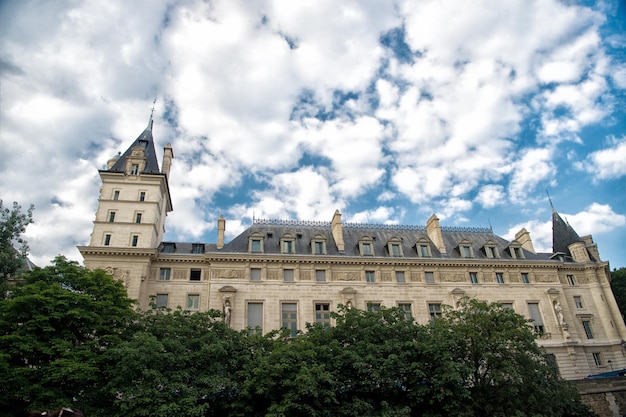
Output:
x=146 y=141
x=563 y=234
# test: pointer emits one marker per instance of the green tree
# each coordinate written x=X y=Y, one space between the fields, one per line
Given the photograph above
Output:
x=503 y=369
x=177 y=363
x=53 y=330
x=618 y=285
x=13 y=247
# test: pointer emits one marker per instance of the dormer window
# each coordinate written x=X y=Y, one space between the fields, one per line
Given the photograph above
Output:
x=465 y=249
x=423 y=248
x=197 y=248
x=318 y=245
x=288 y=244
x=134 y=169
x=516 y=251
x=491 y=250
x=255 y=243
x=169 y=247
x=366 y=246
x=394 y=246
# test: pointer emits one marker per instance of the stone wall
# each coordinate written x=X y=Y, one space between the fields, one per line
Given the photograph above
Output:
x=607 y=396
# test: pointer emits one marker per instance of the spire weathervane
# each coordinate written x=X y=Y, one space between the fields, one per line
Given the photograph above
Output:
x=152 y=111
x=549 y=199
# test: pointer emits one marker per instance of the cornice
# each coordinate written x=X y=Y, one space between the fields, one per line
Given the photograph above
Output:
x=102 y=251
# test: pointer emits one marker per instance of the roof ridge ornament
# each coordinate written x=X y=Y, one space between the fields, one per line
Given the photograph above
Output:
x=150 y=122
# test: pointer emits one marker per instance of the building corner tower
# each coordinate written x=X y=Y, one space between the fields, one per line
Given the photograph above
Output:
x=130 y=221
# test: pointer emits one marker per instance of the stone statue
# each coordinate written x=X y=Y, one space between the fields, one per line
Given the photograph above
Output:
x=559 y=313
x=227 y=311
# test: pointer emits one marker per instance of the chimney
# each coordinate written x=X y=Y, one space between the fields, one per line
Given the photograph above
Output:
x=523 y=237
x=221 y=227
x=337 y=231
x=168 y=155
x=434 y=233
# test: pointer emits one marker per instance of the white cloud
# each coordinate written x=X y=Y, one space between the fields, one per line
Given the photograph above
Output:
x=608 y=163
x=534 y=167
x=490 y=195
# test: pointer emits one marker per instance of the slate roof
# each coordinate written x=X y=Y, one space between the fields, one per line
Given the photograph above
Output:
x=305 y=232
x=146 y=140
x=563 y=234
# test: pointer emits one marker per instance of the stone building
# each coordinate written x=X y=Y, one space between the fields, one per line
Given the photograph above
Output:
x=287 y=273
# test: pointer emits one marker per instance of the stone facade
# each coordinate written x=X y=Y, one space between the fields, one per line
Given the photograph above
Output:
x=287 y=273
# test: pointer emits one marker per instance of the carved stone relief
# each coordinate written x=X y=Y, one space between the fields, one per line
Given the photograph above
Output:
x=347 y=276
x=228 y=273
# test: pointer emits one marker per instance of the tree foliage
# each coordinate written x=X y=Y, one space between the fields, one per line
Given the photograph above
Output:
x=618 y=285
x=13 y=247
x=70 y=336
x=177 y=363
x=53 y=330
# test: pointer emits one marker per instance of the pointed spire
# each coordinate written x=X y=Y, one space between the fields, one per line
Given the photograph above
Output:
x=563 y=235
x=151 y=121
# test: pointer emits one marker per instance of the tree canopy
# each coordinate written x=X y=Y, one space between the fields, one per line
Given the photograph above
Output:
x=618 y=285
x=13 y=247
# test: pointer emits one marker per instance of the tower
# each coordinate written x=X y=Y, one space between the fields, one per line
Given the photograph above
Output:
x=133 y=204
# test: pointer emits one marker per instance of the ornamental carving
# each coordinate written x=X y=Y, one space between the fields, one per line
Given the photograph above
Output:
x=228 y=273
x=305 y=275
x=273 y=274
x=385 y=276
x=454 y=278
x=546 y=278
x=180 y=274
x=346 y=276
x=416 y=277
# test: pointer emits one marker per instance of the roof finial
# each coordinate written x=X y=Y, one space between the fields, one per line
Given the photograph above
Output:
x=550 y=200
x=152 y=113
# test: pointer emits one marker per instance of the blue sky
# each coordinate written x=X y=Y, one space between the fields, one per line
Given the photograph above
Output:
x=387 y=111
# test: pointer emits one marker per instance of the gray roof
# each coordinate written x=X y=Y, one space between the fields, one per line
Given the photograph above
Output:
x=147 y=142
x=304 y=232
x=563 y=234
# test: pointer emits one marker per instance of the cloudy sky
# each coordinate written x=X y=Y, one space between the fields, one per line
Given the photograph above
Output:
x=386 y=110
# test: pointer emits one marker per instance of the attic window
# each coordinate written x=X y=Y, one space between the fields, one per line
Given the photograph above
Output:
x=318 y=245
x=134 y=169
x=465 y=249
x=270 y=235
x=197 y=248
x=394 y=246
x=255 y=243
x=491 y=250
x=287 y=243
x=143 y=143
x=516 y=250
x=366 y=246
x=169 y=247
x=423 y=248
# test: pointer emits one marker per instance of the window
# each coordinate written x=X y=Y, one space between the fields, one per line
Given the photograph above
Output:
x=570 y=280
x=134 y=169
x=134 y=240
x=161 y=300
x=473 y=276
x=111 y=217
x=525 y=279
x=394 y=246
x=107 y=240
x=578 y=301
x=429 y=277
x=255 y=318
x=400 y=277
x=288 y=246
x=466 y=250
x=597 y=359
x=423 y=250
x=169 y=247
x=195 y=274
x=434 y=310
x=142 y=196
x=193 y=301
x=255 y=274
x=138 y=218
x=255 y=243
x=395 y=249
x=406 y=308
x=535 y=317
x=319 y=247
x=165 y=274
x=366 y=249
x=322 y=314
x=508 y=306
x=197 y=248
x=290 y=318
x=491 y=251
x=374 y=307
x=516 y=252
x=288 y=275
x=116 y=195
x=369 y=276
x=587 y=327
x=499 y=277
x=320 y=275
